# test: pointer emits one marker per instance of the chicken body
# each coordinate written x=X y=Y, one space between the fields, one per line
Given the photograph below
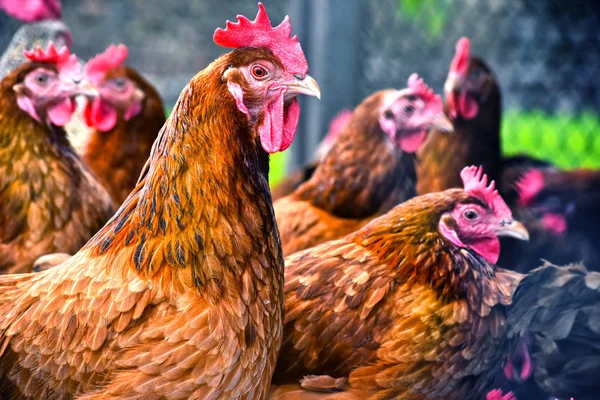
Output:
x=118 y=155
x=474 y=141
x=396 y=309
x=180 y=295
x=49 y=201
x=556 y=308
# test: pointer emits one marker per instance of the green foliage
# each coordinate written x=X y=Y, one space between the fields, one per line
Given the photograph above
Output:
x=433 y=14
x=567 y=140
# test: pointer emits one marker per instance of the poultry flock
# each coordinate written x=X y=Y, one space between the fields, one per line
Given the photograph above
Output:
x=153 y=261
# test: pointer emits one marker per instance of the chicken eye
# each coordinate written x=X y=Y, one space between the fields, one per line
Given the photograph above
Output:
x=41 y=78
x=409 y=109
x=259 y=72
x=470 y=215
x=119 y=83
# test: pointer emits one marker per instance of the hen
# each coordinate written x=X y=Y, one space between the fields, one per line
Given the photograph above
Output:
x=49 y=202
x=126 y=118
x=180 y=295
x=411 y=306
x=473 y=102
x=368 y=170
x=557 y=309
x=296 y=178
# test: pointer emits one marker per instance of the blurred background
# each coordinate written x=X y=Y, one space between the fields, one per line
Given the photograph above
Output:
x=545 y=54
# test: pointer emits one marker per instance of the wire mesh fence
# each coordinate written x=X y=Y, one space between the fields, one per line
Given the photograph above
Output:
x=545 y=55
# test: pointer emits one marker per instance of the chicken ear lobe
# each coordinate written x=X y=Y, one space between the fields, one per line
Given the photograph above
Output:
x=26 y=104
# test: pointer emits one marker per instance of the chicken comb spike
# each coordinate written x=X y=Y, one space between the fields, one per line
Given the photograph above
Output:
x=528 y=187
x=260 y=33
x=96 y=69
x=460 y=62
x=476 y=184
x=63 y=59
x=420 y=88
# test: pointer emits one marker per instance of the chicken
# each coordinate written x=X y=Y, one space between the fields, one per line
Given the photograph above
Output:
x=180 y=294
x=126 y=116
x=411 y=306
x=368 y=170
x=473 y=101
x=49 y=202
x=557 y=310
x=296 y=178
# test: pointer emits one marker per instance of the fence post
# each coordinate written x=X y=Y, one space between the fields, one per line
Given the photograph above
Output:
x=330 y=33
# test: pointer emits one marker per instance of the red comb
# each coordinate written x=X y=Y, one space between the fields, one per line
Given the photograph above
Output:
x=420 y=88
x=475 y=183
x=460 y=62
x=530 y=184
x=64 y=60
x=96 y=69
x=260 y=33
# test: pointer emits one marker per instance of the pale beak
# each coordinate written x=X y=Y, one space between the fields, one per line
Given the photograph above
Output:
x=87 y=89
x=442 y=123
x=307 y=86
x=513 y=229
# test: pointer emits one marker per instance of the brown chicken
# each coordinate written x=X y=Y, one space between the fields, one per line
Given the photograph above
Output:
x=126 y=118
x=49 y=202
x=473 y=103
x=411 y=306
x=296 y=178
x=180 y=295
x=368 y=170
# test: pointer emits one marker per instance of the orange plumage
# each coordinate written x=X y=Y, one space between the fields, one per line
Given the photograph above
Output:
x=180 y=295
x=177 y=273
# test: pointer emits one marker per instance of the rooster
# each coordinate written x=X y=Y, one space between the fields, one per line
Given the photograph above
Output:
x=296 y=178
x=180 y=294
x=126 y=116
x=410 y=306
x=368 y=170
x=49 y=202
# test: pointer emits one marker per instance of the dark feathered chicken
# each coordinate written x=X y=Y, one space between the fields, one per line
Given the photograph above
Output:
x=557 y=309
x=473 y=103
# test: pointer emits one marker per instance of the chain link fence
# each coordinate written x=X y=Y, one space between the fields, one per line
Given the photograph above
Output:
x=545 y=55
